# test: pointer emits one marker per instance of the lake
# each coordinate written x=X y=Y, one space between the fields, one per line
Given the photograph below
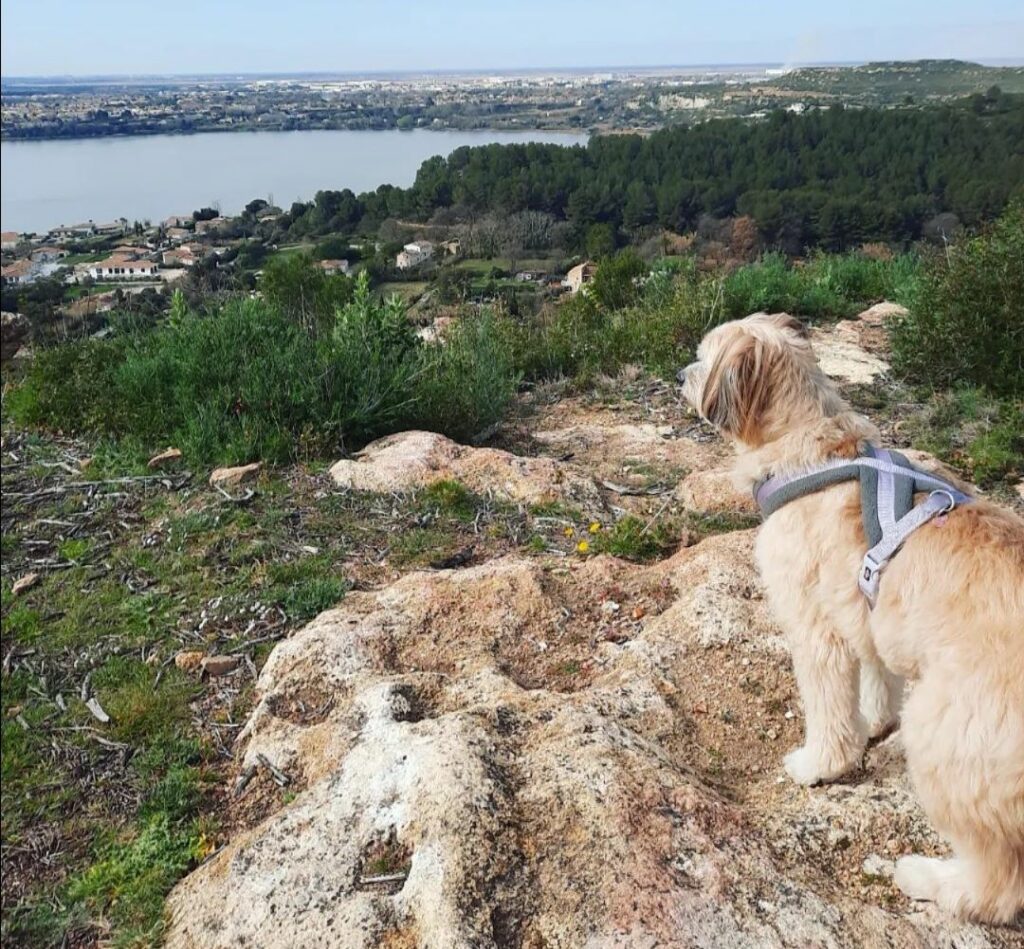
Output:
x=46 y=184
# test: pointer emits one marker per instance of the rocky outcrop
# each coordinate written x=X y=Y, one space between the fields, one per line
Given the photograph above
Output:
x=413 y=460
x=541 y=752
x=480 y=762
x=842 y=353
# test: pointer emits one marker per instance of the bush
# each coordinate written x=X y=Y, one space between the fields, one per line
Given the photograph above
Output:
x=303 y=292
x=827 y=286
x=466 y=381
x=249 y=382
x=966 y=323
x=658 y=332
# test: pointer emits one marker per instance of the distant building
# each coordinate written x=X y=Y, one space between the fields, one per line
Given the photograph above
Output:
x=177 y=220
x=47 y=253
x=331 y=267
x=414 y=254
x=89 y=304
x=181 y=257
x=70 y=231
x=205 y=227
x=122 y=268
x=9 y=240
x=177 y=235
x=580 y=275
x=21 y=271
x=452 y=247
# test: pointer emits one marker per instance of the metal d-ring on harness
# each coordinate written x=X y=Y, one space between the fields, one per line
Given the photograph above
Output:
x=888 y=484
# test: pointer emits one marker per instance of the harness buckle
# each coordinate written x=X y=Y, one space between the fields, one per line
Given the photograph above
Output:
x=868 y=581
x=949 y=494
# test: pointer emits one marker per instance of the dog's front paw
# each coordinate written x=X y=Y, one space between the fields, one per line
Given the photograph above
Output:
x=918 y=876
x=807 y=766
x=803 y=766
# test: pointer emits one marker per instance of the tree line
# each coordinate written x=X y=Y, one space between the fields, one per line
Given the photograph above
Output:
x=829 y=178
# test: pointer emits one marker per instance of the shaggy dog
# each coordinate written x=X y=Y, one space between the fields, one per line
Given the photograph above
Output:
x=949 y=618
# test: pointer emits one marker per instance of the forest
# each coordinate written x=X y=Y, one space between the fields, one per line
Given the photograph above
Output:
x=829 y=179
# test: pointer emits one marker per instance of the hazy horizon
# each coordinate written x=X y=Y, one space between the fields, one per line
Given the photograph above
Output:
x=553 y=68
x=109 y=38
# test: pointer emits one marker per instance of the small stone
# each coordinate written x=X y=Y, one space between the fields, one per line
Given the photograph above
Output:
x=639 y=612
x=165 y=457
x=877 y=866
x=227 y=477
x=772 y=734
x=220 y=665
x=24 y=583
x=790 y=714
x=189 y=659
x=609 y=606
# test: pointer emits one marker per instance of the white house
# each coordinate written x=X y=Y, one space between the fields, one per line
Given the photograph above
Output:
x=331 y=267
x=414 y=254
x=9 y=240
x=122 y=268
x=21 y=271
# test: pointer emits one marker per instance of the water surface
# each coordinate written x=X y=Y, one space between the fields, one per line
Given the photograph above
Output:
x=46 y=184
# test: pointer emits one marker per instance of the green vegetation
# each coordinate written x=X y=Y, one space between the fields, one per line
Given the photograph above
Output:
x=966 y=325
x=656 y=322
x=633 y=539
x=257 y=381
x=829 y=178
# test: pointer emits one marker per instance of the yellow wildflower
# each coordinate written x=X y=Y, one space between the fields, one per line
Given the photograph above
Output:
x=594 y=527
x=582 y=547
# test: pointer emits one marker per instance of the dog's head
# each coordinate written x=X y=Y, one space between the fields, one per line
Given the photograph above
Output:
x=751 y=374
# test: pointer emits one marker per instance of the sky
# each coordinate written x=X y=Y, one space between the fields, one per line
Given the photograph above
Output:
x=106 y=37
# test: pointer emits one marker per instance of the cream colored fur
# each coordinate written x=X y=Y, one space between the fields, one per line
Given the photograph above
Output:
x=949 y=619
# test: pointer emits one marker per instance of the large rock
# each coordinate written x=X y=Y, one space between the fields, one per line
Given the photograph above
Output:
x=413 y=460
x=843 y=352
x=535 y=783
x=714 y=492
x=881 y=313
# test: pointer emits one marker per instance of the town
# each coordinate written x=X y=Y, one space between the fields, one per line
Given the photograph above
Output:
x=611 y=100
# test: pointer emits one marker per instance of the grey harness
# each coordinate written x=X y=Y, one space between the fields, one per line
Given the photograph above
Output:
x=888 y=482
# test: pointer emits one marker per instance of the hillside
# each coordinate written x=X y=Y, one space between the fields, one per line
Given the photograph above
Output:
x=922 y=80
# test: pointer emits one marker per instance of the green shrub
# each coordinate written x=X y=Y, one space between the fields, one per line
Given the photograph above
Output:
x=826 y=286
x=303 y=292
x=978 y=433
x=249 y=382
x=966 y=323
x=466 y=381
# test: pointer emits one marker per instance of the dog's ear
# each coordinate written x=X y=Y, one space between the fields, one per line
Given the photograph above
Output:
x=786 y=322
x=740 y=386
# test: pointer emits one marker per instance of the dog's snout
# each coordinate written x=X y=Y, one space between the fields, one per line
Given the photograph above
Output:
x=681 y=376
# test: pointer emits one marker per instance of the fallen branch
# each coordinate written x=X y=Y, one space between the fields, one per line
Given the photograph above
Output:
x=280 y=778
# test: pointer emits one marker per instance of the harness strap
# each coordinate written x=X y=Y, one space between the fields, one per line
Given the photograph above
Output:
x=888 y=484
x=875 y=560
x=774 y=492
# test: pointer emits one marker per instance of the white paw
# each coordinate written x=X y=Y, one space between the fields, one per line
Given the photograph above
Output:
x=917 y=877
x=802 y=766
x=879 y=726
